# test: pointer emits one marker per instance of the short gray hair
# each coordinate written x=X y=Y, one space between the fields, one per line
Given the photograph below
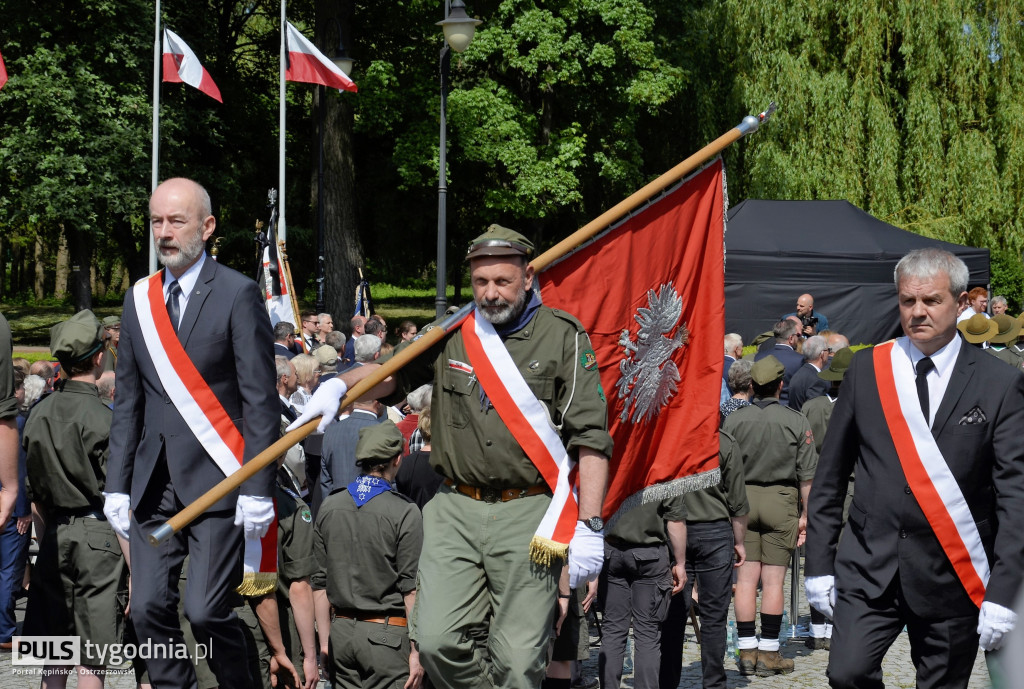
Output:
x=34 y=387
x=283 y=366
x=928 y=263
x=366 y=346
x=335 y=339
x=739 y=375
x=998 y=300
x=419 y=399
x=785 y=329
x=814 y=346
x=732 y=341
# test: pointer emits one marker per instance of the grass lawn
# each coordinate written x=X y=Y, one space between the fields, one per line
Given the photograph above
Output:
x=31 y=323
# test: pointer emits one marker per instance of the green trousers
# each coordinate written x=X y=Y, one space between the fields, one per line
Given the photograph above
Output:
x=369 y=655
x=484 y=612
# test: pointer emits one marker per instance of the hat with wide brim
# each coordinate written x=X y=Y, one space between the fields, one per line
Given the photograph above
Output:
x=1009 y=329
x=838 y=366
x=978 y=328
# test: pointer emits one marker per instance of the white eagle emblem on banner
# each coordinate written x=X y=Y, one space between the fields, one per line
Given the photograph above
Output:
x=649 y=376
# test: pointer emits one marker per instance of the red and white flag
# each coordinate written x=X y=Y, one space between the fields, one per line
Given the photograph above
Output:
x=307 y=64
x=651 y=293
x=182 y=65
x=3 y=72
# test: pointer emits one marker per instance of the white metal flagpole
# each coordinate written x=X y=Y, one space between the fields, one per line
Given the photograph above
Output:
x=282 y=232
x=157 y=58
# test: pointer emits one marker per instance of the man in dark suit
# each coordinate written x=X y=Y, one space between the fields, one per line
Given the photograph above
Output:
x=209 y=317
x=733 y=352
x=805 y=384
x=787 y=336
x=934 y=528
x=284 y=339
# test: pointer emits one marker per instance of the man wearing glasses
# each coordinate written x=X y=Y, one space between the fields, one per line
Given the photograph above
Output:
x=310 y=329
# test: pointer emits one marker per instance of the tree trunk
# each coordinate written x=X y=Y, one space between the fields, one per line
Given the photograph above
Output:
x=60 y=288
x=3 y=269
x=16 y=268
x=39 y=283
x=343 y=253
x=80 y=253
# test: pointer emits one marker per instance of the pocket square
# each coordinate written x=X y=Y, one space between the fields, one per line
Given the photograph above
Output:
x=974 y=416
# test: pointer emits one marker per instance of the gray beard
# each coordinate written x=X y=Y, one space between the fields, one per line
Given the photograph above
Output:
x=500 y=311
x=187 y=252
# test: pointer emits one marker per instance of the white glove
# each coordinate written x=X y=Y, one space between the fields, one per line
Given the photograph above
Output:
x=586 y=555
x=254 y=514
x=116 y=507
x=821 y=593
x=994 y=622
x=324 y=403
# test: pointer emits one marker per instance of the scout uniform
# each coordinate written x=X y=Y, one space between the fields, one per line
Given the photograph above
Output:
x=709 y=566
x=636 y=585
x=777 y=446
x=79 y=568
x=110 y=356
x=367 y=550
x=478 y=528
x=1009 y=329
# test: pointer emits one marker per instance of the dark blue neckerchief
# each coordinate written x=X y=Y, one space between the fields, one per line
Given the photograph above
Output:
x=365 y=488
x=512 y=326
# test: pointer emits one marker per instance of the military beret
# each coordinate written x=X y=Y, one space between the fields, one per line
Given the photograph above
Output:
x=111 y=321
x=767 y=370
x=326 y=354
x=500 y=241
x=378 y=443
x=77 y=338
x=837 y=367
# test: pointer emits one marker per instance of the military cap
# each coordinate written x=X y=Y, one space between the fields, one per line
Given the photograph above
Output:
x=767 y=370
x=837 y=367
x=500 y=241
x=326 y=354
x=111 y=321
x=1009 y=329
x=77 y=338
x=978 y=328
x=379 y=443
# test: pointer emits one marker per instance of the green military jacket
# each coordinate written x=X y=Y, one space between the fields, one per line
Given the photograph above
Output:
x=8 y=403
x=727 y=499
x=645 y=525
x=367 y=556
x=66 y=440
x=471 y=444
x=1009 y=355
x=818 y=411
x=776 y=442
x=295 y=559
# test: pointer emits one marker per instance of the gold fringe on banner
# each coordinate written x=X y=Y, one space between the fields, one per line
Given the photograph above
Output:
x=257 y=583
x=544 y=551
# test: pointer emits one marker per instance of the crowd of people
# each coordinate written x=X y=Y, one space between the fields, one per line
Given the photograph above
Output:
x=466 y=561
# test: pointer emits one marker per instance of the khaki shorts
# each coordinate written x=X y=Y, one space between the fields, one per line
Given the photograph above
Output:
x=773 y=524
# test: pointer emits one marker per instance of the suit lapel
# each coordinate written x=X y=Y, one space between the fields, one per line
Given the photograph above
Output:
x=199 y=294
x=963 y=369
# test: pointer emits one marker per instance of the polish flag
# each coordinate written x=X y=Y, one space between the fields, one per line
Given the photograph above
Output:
x=182 y=65
x=306 y=63
x=3 y=72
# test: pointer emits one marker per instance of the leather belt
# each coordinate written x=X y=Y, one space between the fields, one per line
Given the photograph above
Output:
x=495 y=494
x=393 y=621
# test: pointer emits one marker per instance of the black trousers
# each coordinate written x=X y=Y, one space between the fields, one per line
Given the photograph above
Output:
x=709 y=560
x=943 y=649
x=214 y=545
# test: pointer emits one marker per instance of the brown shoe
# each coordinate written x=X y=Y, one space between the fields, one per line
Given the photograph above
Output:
x=747 y=661
x=6 y=645
x=772 y=663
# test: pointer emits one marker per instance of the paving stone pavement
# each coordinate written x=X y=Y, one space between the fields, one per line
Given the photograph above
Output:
x=898 y=670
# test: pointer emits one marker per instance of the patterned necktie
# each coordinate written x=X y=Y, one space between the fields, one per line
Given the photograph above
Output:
x=172 y=304
x=923 y=367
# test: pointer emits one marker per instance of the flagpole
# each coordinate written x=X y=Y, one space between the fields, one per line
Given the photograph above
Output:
x=282 y=232
x=155 y=174
x=433 y=335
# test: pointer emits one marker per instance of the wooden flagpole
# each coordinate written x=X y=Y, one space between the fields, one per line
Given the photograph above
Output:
x=433 y=335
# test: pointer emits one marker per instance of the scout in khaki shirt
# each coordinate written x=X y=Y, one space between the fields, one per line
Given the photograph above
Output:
x=367 y=544
x=79 y=569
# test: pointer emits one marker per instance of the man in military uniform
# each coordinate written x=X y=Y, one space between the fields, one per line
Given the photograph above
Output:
x=111 y=337
x=716 y=527
x=486 y=560
x=638 y=579
x=367 y=544
x=779 y=460
x=999 y=344
x=79 y=568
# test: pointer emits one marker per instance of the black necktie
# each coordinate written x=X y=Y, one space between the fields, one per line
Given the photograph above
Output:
x=923 y=367
x=172 y=304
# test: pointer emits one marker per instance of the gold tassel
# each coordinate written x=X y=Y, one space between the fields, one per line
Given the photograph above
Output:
x=257 y=583
x=544 y=551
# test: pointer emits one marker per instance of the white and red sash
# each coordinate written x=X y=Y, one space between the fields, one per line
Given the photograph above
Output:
x=927 y=473
x=203 y=413
x=530 y=424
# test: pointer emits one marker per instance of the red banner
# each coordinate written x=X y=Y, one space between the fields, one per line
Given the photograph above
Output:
x=651 y=293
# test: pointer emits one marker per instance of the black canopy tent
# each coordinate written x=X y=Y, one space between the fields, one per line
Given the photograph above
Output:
x=843 y=256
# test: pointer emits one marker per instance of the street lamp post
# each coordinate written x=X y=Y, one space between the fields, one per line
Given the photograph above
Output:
x=458 y=30
x=343 y=62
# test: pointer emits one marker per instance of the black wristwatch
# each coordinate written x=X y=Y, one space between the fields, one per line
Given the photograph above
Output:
x=595 y=524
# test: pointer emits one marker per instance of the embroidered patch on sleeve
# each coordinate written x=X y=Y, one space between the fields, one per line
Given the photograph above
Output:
x=588 y=360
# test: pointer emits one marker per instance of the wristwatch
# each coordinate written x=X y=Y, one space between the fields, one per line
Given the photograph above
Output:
x=595 y=524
